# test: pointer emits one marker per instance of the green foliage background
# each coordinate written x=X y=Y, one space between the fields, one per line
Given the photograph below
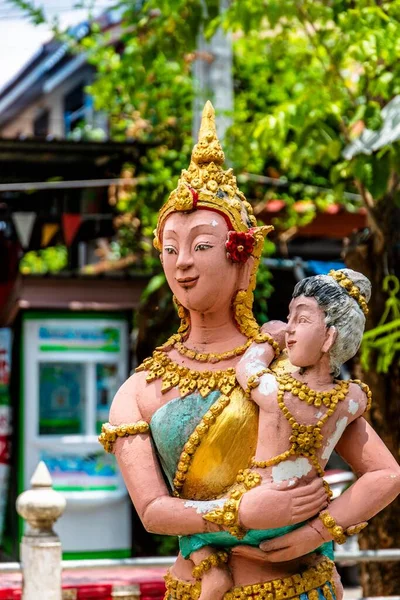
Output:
x=306 y=75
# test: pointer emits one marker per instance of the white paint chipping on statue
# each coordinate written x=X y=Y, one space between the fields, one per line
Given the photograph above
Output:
x=41 y=553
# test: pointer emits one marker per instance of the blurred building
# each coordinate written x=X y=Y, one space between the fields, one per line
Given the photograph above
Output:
x=70 y=329
x=47 y=99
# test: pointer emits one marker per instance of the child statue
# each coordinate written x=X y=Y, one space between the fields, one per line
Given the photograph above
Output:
x=217 y=449
x=314 y=414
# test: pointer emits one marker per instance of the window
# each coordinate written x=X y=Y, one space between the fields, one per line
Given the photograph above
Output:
x=41 y=124
x=107 y=384
x=61 y=398
x=75 y=107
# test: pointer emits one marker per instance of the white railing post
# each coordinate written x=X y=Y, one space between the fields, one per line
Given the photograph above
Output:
x=40 y=547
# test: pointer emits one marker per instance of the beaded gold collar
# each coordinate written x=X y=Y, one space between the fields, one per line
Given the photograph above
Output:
x=176 y=342
x=160 y=366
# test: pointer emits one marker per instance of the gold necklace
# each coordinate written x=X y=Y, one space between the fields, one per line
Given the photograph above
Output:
x=160 y=366
x=211 y=357
x=305 y=439
x=329 y=397
x=175 y=341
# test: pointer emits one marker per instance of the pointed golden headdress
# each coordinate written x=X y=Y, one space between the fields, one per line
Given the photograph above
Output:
x=206 y=185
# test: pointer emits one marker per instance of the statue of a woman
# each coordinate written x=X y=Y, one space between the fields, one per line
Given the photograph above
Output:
x=215 y=448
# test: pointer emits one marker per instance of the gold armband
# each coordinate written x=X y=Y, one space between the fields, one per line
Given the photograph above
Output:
x=109 y=433
x=265 y=337
x=228 y=515
x=254 y=381
x=337 y=532
x=214 y=560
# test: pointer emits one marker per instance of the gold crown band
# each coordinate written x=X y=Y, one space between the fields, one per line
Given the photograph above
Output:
x=350 y=287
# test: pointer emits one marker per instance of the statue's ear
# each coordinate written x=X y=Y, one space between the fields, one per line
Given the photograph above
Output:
x=245 y=273
x=330 y=338
x=161 y=259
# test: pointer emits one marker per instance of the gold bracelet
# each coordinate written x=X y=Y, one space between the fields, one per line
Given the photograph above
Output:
x=354 y=529
x=228 y=515
x=336 y=531
x=254 y=381
x=328 y=490
x=109 y=433
x=214 y=560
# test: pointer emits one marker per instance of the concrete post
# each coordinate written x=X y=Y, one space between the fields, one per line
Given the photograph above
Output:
x=212 y=71
x=40 y=547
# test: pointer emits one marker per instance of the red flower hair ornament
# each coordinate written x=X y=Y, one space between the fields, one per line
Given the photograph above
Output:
x=240 y=245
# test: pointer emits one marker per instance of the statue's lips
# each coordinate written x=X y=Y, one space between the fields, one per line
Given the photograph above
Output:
x=290 y=343
x=188 y=282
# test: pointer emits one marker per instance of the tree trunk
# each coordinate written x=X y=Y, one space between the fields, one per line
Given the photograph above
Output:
x=383 y=532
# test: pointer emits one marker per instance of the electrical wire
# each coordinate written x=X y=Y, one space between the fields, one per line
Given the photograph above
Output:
x=97 y=183
x=286 y=183
x=68 y=185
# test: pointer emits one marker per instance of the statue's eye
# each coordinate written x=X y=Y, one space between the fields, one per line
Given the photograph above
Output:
x=202 y=247
x=170 y=250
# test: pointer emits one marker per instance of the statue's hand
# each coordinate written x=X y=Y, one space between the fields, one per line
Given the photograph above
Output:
x=215 y=583
x=306 y=500
x=292 y=545
x=267 y=507
x=254 y=554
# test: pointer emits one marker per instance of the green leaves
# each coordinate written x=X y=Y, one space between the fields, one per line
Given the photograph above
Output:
x=154 y=285
x=34 y=13
x=48 y=260
x=309 y=77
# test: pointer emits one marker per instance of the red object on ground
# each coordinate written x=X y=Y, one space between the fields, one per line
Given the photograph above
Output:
x=10 y=594
x=97 y=584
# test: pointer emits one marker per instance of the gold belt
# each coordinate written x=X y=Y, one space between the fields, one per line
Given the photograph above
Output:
x=314 y=578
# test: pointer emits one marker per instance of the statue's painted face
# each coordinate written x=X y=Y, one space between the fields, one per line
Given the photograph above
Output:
x=195 y=262
x=307 y=336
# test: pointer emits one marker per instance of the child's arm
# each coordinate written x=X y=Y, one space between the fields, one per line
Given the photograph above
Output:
x=210 y=567
x=260 y=355
x=377 y=486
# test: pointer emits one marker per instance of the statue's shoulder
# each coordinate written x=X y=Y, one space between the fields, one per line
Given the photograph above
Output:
x=125 y=405
x=360 y=392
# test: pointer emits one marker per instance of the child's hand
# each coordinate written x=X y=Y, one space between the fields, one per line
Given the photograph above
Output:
x=215 y=583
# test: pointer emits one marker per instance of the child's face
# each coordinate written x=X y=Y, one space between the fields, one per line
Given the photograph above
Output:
x=307 y=336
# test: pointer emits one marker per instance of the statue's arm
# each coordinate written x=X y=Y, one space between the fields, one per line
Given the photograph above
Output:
x=260 y=356
x=377 y=486
x=137 y=460
x=378 y=473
